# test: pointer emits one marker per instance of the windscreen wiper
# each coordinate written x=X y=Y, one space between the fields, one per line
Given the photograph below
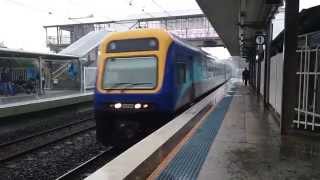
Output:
x=127 y=84
x=119 y=84
x=134 y=84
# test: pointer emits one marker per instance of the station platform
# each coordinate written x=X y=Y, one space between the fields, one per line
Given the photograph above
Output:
x=247 y=145
x=27 y=103
x=236 y=138
x=34 y=96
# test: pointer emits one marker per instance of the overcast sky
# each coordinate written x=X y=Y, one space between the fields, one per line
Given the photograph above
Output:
x=22 y=20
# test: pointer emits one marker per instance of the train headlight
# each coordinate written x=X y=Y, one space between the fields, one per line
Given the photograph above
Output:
x=117 y=105
x=145 y=106
x=137 y=106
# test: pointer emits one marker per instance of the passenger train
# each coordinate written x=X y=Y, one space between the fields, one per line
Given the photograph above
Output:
x=150 y=73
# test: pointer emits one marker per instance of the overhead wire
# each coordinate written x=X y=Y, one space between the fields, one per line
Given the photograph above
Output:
x=51 y=12
x=149 y=14
x=26 y=6
x=94 y=16
x=131 y=4
x=155 y=3
x=159 y=6
x=41 y=10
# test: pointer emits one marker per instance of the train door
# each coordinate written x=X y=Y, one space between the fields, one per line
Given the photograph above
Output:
x=192 y=78
x=184 y=80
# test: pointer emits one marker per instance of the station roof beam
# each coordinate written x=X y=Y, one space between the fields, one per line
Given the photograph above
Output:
x=237 y=22
x=193 y=27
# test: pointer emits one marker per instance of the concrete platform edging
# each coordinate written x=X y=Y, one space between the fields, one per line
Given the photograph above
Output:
x=139 y=161
x=43 y=104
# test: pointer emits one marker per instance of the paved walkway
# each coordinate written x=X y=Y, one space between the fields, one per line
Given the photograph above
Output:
x=29 y=97
x=249 y=146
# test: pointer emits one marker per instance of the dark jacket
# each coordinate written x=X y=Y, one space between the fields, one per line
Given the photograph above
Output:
x=4 y=77
x=246 y=74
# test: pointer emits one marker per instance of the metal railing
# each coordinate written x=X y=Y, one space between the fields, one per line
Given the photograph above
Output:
x=55 y=40
x=17 y=74
x=62 y=69
x=308 y=105
x=190 y=34
x=192 y=26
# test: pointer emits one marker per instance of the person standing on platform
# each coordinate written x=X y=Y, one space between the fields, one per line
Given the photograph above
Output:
x=245 y=76
x=43 y=83
x=43 y=80
x=6 y=80
x=2 y=83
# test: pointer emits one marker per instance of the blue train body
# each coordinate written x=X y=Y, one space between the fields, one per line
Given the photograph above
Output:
x=188 y=72
x=172 y=96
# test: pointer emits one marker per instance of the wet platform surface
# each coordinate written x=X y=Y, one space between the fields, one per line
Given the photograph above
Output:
x=5 y=100
x=50 y=100
x=249 y=146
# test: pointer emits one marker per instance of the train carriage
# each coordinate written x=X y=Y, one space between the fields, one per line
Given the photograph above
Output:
x=150 y=73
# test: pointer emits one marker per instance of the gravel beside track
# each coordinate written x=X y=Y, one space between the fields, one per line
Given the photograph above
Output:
x=12 y=128
x=52 y=161
x=33 y=142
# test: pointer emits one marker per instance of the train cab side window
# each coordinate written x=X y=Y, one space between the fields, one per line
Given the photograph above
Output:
x=181 y=73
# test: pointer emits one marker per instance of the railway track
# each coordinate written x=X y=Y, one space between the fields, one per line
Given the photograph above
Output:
x=88 y=167
x=20 y=146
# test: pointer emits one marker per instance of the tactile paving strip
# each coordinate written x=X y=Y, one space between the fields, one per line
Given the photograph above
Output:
x=188 y=161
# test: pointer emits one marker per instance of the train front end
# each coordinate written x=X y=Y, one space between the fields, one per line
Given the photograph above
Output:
x=131 y=80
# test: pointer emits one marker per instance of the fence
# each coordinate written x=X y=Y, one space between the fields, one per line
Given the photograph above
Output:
x=308 y=105
x=89 y=78
x=17 y=74
x=18 y=77
x=275 y=88
x=63 y=40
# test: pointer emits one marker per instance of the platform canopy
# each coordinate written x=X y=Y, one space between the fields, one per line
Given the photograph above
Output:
x=238 y=21
x=6 y=52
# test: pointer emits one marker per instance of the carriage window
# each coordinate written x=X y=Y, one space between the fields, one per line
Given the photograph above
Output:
x=181 y=73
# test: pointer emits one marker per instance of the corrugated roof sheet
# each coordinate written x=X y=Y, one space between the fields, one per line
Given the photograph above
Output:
x=85 y=44
x=5 y=52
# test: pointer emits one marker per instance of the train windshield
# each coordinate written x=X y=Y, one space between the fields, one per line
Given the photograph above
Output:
x=130 y=73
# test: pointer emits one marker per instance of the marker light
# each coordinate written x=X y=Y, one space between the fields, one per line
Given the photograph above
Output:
x=117 y=105
x=152 y=43
x=113 y=46
x=137 y=106
x=145 y=106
